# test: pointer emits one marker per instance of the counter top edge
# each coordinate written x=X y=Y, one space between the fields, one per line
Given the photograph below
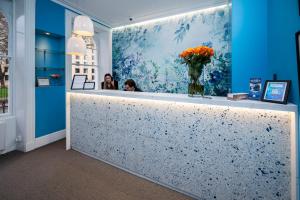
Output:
x=183 y=98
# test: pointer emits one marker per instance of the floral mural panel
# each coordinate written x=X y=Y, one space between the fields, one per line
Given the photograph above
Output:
x=148 y=53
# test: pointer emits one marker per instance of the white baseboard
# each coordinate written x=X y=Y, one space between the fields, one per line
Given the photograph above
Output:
x=44 y=140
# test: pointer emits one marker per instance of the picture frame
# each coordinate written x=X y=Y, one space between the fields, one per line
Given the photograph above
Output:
x=276 y=91
x=78 y=82
x=43 y=82
x=89 y=85
x=255 y=88
x=298 y=53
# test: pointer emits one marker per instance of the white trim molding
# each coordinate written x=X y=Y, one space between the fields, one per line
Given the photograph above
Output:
x=30 y=63
x=294 y=155
x=24 y=76
x=45 y=140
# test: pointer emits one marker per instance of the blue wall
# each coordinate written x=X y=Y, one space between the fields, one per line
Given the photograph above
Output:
x=50 y=110
x=263 y=42
x=284 y=22
x=53 y=58
x=50 y=17
x=50 y=101
x=249 y=42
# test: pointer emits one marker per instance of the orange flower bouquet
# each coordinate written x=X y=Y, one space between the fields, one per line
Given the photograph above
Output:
x=196 y=58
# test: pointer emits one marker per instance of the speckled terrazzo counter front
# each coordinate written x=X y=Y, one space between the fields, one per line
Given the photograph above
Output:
x=206 y=151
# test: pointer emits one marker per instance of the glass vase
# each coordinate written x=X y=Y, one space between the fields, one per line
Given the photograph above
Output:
x=195 y=87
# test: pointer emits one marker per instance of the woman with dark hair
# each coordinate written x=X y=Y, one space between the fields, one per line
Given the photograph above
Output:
x=130 y=85
x=109 y=83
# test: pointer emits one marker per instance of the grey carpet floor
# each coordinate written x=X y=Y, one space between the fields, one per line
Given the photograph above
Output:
x=51 y=173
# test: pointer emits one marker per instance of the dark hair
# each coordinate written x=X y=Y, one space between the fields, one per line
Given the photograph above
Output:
x=108 y=74
x=130 y=82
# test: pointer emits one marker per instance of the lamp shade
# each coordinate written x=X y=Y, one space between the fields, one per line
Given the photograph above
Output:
x=83 y=25
x=76 y=46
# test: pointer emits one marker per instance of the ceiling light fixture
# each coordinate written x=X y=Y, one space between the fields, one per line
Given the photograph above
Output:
x=83 y=26
x=76 y=46
x=171 y=17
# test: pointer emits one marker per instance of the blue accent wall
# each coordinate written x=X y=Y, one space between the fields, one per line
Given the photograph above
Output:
x=54 y=45
x=50 y=110
x=50 y=101
x=50 y=17
x=249 y=42
x=263 y=42
x=284 y=22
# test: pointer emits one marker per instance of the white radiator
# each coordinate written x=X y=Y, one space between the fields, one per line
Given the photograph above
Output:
x=2 y=135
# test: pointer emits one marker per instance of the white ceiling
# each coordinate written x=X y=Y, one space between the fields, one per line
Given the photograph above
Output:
x=116 y=13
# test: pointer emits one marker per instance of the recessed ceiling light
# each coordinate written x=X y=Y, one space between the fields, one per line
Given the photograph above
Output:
x=170 y=17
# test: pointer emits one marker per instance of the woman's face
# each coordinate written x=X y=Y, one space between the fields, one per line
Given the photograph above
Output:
x=128 y=88
x=108 y=79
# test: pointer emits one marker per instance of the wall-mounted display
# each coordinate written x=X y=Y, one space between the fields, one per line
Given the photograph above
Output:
x=89 y=86
x=276 y=91
x=255 y=88
x=43 y=82
x=78 y=82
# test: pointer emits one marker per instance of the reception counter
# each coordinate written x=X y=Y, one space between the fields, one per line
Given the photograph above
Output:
x=205 y=148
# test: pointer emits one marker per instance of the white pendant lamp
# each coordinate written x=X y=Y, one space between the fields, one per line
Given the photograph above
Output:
x=76 y=46
x=83 y=26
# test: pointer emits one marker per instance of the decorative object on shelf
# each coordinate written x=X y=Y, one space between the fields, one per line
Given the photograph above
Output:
x=237 y=96
x=83 y=26
x=43 y=82
x=49 y=68
x=196 y=59
x=76 y=46
x=89 y=86
x=78 y=82
x=276 y=91
x=55 y=76
x=255 y=88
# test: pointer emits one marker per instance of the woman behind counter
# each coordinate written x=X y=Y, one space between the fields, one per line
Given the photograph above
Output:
x=109 y=83
x=130 y=85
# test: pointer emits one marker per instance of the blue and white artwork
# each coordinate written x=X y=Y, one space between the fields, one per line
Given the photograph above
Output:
x=148 y=53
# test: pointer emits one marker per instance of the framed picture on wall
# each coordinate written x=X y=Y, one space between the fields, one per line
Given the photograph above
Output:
x=78 y=82
x=276 y=91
